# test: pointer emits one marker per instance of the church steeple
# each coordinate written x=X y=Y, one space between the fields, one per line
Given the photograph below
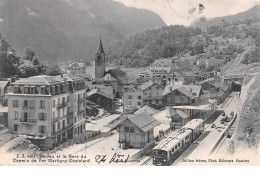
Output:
x=100 y=46
x=100 y=61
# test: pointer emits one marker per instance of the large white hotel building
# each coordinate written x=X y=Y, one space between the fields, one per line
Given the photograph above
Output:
x=48 y=110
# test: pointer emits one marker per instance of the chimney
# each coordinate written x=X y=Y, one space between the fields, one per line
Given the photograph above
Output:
x=13 y=79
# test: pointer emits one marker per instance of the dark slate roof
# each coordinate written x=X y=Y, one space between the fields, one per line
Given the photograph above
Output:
x=146 y=85
x=191 y=91
x=217 y=84
x=97 y=91
x=147 y=109
x=119 y=75
x=144 y=121
x=183 y=74
x=181 y=114
x=100 y=47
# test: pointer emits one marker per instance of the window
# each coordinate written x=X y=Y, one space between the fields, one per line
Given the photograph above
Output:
x=175 y=79
x=16 y=127
x=179 y=144
x=132 y=130
x=15 y=103
x=130 y=96
x=177 y=93
x=42 y=129
x=127 y=129
x=15 y=115
x=42 y=104
x=58 y=125
x=31 y=104
x=25 y=90
x=139 y=103
x=53 y=103
x=15 y=89
x=25 y=103
x=176 y=146
x=42 y=116
x=157 y=101
x=139 y=97
x=129 y=102
x=150 y=88
x=53 y=114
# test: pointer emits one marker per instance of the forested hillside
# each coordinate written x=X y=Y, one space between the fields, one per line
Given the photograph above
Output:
x=143 y=48
x=62 y=29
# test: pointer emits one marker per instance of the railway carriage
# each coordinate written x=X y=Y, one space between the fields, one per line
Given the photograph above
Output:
x=170 y=149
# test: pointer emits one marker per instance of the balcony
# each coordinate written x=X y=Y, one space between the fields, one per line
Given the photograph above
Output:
x=63 y=129
x=28 y=121
x=62 y=105
x=81 y=100
x=69 y=114
x=81 y=111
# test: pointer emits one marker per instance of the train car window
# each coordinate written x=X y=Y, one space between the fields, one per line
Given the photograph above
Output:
x=176 y=147
x=172 y=149
x=179 y=144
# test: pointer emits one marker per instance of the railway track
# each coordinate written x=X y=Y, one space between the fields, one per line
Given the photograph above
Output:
x=147 y=162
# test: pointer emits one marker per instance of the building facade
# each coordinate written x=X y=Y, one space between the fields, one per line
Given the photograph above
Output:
x=132 y=100
x=152 y=94
x=48 y=110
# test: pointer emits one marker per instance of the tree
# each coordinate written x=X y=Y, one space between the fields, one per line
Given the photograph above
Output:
x=29 y=54
x=52 y=71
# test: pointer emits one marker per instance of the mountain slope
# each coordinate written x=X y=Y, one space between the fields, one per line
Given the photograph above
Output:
x=177 y=11
x=62 y=29
x=252 y=13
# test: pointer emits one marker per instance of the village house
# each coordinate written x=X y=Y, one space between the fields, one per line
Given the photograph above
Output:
x=152 y=94
x=217 y=90
x=182 y=78
x=181 y=94
x=178 y=117
x=206 y=62
x=136 y=131
x=132 y=99
x=76 y=68
x=48 y=110
x=155 y=72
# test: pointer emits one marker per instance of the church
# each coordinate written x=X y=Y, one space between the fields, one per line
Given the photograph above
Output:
x=116 y=78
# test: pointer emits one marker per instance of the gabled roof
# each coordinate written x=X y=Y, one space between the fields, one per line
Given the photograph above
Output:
x=182 y=114
x=133 y=87
x=119 y=75
x=147 y=109
x=3 y=84
x=191 y=91
x=100 y=92
x=147 y=85
x=144 y=121
x=217 y=84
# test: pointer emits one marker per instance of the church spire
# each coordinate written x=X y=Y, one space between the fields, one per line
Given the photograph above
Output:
x=100 y=46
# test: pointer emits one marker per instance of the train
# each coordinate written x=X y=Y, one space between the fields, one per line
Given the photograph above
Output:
x=170 y=148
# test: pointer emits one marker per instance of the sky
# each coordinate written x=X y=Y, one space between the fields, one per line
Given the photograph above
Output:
x=177 y=11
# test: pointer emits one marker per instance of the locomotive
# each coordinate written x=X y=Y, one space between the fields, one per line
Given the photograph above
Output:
x=170 y=148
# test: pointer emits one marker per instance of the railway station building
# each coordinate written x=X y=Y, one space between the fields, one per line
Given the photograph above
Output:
x=136 y=131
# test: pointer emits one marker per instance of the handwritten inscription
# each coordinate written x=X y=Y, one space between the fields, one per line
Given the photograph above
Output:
x=116 y=158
